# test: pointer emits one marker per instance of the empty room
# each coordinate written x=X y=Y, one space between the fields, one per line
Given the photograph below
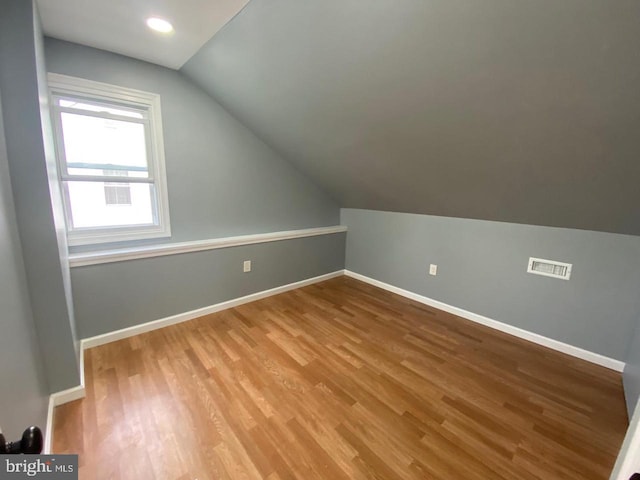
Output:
x=278 y=239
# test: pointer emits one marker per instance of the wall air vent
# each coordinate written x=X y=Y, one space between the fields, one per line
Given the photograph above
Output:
x=549 y=268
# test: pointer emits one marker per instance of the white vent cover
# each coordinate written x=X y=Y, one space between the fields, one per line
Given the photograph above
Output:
x=549 y=268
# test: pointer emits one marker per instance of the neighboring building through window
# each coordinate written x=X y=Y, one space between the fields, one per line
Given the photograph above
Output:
x=116 y=193
x=103 y=131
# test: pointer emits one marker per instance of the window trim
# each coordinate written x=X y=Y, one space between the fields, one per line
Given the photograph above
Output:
x=127 y=97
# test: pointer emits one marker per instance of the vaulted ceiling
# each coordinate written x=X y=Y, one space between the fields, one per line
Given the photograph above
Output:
x=119 y=25
x=524 y=111
x=510 y=110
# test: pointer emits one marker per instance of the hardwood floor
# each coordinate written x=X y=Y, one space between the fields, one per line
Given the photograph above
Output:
x=340 y=380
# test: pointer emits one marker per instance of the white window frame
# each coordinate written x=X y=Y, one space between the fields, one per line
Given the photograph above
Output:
x=63 y=85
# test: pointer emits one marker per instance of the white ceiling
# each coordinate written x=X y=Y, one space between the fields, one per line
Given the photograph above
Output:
x=119 y=25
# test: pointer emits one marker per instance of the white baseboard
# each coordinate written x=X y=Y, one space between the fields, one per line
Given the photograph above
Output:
x=628 y=461
x=48 y=434
x=183 y=317
x=578 y=352
x=60 y=398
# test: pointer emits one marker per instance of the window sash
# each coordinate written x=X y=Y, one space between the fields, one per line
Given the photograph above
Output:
x=137 y=229
x=104 y=178
x=97 y=100
x=62 y=155
x=105 y=115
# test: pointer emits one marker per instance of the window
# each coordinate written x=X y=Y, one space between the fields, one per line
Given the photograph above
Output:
x=110 y=161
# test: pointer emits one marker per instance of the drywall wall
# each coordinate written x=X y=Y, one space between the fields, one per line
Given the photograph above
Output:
x=517 y=111
x=19 y=59
x=112 y=296
x=23 y=388
x=482 y=268
x=222 y=180
x=57 y=207
x=631 y=375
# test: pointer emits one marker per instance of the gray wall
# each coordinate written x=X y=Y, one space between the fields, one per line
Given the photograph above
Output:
x=57 y=207
x=482 y=268
x=631 y=374
x=512 y=110
x=23 y=388
x=222 y=180
x=118 y=295
x=20 y=60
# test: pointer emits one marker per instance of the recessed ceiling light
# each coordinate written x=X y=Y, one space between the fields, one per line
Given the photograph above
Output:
x=159 y=25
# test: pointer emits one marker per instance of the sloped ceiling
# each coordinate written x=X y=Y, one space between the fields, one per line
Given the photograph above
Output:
x=511 y=110
x=119 y=25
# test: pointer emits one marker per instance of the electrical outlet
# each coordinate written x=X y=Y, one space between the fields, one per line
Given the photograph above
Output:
x=433 y=269
x=246 y=266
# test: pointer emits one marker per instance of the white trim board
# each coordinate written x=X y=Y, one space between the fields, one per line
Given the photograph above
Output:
x=48 y=435
x=148 y=251
x=60 y=398
x=628 y=461
x=577 y=352
x=200 y=312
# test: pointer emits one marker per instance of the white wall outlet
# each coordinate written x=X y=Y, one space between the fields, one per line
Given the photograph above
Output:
x=433 y=269
x=246 y=266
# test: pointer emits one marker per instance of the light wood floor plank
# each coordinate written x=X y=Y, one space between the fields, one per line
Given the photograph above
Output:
x=340 y=380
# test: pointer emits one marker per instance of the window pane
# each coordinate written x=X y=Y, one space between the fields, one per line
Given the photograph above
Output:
x=99 y=143
x=126 y=204
x=96 y=107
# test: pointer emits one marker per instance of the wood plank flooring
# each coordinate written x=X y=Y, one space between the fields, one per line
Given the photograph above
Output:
x=340 y=380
